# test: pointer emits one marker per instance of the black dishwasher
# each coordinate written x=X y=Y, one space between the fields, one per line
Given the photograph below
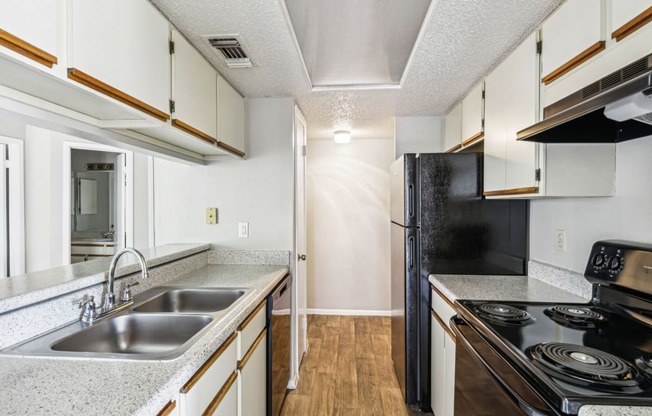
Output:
x=279 y=318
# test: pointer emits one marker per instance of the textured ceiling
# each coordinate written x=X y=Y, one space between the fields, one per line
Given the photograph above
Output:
x=461 y=43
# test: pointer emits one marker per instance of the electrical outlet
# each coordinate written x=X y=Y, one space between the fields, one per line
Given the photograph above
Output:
x=561 y=240
x=211 y=215
x=243 y=229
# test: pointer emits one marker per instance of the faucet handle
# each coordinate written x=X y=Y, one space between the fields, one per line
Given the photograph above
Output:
x=88 y=304
x=126 y=294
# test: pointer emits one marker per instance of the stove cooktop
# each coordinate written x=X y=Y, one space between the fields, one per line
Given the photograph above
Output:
x=572 y=352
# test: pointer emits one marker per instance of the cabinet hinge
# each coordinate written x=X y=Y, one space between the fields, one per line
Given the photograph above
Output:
x=537 y=175
x=483 y=94
x=171 y=47
x=483 y=124
x=172 y=106
x=304 y=150
x=539 y=47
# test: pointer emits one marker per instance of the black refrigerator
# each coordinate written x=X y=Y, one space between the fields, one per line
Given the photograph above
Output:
x=441 y=224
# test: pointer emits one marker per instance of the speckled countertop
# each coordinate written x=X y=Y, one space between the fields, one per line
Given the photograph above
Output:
x=524 y=289
x=63 y=386
x=520 y=288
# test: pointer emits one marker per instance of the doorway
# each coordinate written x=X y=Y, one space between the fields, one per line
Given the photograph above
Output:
x=99 y=201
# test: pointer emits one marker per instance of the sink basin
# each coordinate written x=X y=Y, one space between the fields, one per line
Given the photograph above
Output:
x=191 y=300
x=135 y=334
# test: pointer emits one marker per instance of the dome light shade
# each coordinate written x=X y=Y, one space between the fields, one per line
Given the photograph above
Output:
x=342 y=136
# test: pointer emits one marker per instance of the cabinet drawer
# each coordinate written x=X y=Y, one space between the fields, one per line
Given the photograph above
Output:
x=202 y=389
x=442 y=307
x=251 y=328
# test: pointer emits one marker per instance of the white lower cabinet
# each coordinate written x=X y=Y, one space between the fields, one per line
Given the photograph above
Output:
x=252 y=364
x=442 y=358
x=212 y=389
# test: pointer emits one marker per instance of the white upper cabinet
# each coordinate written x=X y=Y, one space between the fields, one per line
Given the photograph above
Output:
x=121 y=48
x=453 y=129
x=230 y=118
x=571 y=35
x=627 y=16
x=33 y=22
x=473 y=115
x=194 y=91
x=511 y=93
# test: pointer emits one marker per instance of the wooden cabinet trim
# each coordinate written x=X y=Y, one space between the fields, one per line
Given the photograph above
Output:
x=202 y=370
x=230 y=149
x=441 y=295
x=251 y=315
x=193 y=131
x=515 y=191
x=167 y=410
x=18 y=45
x=473 y=139
x=249 y=353
x=220 y=395
x=633 y=25
x=99 y=86
x=584 y=56
x=442 y=324
x=454 y=148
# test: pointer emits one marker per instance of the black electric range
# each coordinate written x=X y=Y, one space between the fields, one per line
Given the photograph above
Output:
x=526 y=358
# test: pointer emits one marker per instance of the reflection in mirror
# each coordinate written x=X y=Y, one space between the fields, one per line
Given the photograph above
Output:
x=86 y=198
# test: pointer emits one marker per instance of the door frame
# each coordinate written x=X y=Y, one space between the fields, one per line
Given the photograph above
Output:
x=16 y=204
x=68 y=146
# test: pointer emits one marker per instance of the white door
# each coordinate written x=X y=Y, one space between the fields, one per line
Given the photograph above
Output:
x=300 y=255
x=4 y=211
x=119 y=205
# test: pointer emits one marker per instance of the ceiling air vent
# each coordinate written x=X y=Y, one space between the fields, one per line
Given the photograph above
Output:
x=230 y=49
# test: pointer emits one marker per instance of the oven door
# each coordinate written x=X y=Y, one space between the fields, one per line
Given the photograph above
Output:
x=486 y=384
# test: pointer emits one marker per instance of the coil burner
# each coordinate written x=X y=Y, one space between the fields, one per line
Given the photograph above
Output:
x=503 y=314
x=584 y=366
x=575 y=317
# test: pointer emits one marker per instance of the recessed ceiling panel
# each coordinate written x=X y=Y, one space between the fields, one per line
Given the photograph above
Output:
x=356 y=42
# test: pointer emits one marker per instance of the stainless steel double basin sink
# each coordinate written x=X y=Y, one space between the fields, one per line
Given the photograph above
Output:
x=161 y=324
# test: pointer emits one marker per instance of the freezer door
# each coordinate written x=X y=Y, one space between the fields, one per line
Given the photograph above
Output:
x=403 y=191
x=404 y=282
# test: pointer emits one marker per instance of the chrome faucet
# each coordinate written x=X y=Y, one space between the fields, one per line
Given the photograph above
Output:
x=109 y=298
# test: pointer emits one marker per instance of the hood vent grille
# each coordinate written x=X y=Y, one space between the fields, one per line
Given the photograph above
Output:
x=630 y=71
x=230 y=49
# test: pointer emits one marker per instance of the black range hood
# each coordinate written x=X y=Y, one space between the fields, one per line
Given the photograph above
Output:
x=613 y=109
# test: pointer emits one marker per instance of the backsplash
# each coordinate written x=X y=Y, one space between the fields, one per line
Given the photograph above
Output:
x=570 y=281
x=258 y=257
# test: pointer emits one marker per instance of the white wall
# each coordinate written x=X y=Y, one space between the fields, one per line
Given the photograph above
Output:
x=626 y=216
x=348 y=225
x=258 y=190
x=419 y=134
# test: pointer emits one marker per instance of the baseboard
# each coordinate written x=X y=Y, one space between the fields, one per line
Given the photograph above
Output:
x=349 y=312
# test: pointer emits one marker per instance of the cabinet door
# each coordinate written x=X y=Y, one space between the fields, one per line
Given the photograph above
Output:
x=628 y=16
x=121 y=48
x=230 y=118
x=226 y=402
x=252 y=383
x=570 y=36
x=453 y=129
x=34 y=22
x=511 y=105
x=194 y=90
x=449 y=375
x=437 y=368
x=472 y=115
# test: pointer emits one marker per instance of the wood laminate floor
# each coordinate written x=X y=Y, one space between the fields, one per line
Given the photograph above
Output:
x=347 y=370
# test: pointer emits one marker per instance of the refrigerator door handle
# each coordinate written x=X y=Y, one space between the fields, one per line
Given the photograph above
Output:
x=410 y=201
x=411 y=252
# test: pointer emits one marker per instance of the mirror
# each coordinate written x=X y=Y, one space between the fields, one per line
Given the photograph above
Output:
x=86 y=201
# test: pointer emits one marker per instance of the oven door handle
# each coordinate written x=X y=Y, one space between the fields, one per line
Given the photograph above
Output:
x=525 y=406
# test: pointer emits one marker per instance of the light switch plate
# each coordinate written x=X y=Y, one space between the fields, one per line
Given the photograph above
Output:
x=211 y=215
x=243 y=229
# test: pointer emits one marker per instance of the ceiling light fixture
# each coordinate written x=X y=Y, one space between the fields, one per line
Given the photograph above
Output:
x=342 y=136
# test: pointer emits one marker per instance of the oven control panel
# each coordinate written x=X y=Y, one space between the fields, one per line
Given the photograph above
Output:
x=623 y=263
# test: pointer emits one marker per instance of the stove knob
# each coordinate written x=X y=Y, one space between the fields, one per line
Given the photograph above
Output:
x=599 y=260
x=615 y=264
